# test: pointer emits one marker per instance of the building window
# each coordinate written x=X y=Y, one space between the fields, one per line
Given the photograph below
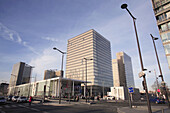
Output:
x=163 y=27
x=168 y=58
x=168 y=25
x=167 y=49
x=165 y=37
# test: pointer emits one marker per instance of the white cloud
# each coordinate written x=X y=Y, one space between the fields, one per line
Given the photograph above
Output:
x=12 y=35
x=49 y=59
x=52 y=39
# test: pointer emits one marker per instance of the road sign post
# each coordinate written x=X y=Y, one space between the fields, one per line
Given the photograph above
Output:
x=131 y=90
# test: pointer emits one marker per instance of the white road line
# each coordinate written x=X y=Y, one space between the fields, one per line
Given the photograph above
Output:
x=21 y=105
x=6 y=106
x=13 y=105
x=34 y=109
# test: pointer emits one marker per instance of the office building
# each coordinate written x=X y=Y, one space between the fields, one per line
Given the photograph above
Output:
x=90 y=45
x=123 y=78
x=21 y=73
x=122 y=71
x=51 y=74
x=162 y=14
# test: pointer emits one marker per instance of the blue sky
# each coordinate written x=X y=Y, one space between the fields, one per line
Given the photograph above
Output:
x=29 y=29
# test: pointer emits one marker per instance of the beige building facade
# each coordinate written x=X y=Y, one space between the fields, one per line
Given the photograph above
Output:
x=161 y=9
x=90 y=45
x=51 y=74
x=122 y=71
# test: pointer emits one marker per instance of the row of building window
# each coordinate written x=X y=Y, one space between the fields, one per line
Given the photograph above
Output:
x=163 y=17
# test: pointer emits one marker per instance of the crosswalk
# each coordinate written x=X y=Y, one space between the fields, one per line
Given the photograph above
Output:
x=17 y=105
x=23 y=105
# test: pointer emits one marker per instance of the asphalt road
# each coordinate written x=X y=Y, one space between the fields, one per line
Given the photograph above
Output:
x=99 y=107
x=40 y=108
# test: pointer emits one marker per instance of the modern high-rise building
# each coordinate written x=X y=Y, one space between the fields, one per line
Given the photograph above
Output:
x=51 y=74
x=162 y=13
x=21 y=73
x=122 y=71
x=90 y=45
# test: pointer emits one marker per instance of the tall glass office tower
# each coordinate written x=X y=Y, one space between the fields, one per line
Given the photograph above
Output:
x=90 y=45
x=162 y=13
x=122 y=71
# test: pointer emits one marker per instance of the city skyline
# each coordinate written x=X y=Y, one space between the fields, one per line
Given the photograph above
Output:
x=30 y=29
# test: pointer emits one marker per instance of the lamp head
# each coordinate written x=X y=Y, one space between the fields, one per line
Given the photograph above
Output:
x=124 y=6
x=155 y=38
x=55 y=48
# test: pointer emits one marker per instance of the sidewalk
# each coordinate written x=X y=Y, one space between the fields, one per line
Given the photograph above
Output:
x=143 y=109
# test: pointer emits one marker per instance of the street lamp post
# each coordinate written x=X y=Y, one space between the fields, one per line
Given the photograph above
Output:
x=160 y=70
x=124 y=6
x=61 y=72
x=157 y=83
x=86 y=77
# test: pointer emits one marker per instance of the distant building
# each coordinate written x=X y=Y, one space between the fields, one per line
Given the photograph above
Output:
x=3 y=89
x=122 y=71
x=21 y=73
x=51 y=74
x=162 y=14
x=90 y=45
x=49 y=87
x=123 y=78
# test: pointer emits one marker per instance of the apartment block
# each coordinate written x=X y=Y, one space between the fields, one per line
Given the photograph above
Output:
x=161 y=9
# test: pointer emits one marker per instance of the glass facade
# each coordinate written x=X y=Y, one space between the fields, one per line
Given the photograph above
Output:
x=90 y=45
x=162 y=13
x=122 y=71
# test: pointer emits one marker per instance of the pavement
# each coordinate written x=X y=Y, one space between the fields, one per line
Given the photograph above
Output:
x=143 y=109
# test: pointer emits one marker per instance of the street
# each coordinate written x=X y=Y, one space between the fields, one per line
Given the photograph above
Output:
x=52 y=106
x=55 y=107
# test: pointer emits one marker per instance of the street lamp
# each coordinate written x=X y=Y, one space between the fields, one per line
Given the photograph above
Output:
x=61 y=75
x=86 y=76
x=156 y=82
x=160 y=70
x=124 y=6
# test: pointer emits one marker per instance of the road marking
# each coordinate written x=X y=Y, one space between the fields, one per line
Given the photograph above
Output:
x=6 y=106
x=34 y=109
x=13 y=105
x=21 y=105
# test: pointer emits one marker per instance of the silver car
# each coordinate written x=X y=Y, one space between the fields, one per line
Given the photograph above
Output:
x=22 y=99
x=14 y=98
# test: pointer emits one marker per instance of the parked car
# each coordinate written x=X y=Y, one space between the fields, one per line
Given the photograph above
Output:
x=9 y=98
x=2 y=99
x=14 y=98
x=22 y=99
x=110 y=98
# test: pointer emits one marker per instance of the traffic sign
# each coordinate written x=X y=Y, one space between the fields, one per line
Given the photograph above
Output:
x=131 y=90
